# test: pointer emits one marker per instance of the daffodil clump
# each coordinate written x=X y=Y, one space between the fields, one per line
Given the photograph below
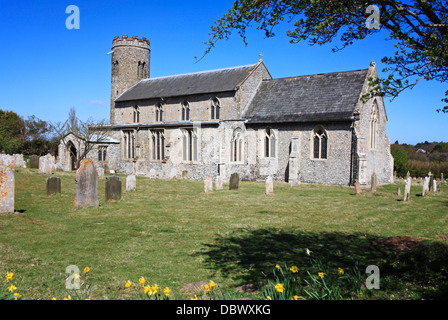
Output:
x=84 y=290
x=152 y=292
x=8 y=290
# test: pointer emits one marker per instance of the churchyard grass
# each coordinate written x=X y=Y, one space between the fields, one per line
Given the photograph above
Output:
x=173 y=233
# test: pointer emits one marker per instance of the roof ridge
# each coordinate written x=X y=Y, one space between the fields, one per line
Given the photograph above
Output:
x=199 y=72
x=316 y=74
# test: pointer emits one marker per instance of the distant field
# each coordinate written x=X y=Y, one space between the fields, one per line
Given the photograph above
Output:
x=172 y=233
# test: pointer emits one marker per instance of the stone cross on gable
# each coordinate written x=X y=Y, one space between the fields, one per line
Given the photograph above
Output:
x=261 y=55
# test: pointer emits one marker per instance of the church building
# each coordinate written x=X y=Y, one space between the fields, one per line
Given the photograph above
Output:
x=302 y=129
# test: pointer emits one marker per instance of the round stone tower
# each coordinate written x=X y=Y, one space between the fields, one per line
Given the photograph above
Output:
x=130 y=64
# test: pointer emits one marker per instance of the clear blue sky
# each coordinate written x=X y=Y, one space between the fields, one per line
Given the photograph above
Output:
x=45 y=68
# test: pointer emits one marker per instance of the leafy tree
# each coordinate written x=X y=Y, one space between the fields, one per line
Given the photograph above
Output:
x=12 y=132
x=419 y=27
x=400 y=158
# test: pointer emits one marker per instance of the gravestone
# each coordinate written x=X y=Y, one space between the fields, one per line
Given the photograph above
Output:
x=6 y=183
x=408 y=175
x=234 y=181
x=185 y=174
x=373 y=182
x=131 y=183
x=113 y=188
x=53 y=185
x=431 y=183
x=434 y=188
x=269 y=185
x=208 y=184
x=100 y=173
x=357 y=187
x=442 y=178
x=219 y=183
x=152 y=174
x=19 y=162
x=425 y=186
x=34 y=162
x=398 y=189
x=86 y=185
x=46 y=164
x=407 y=189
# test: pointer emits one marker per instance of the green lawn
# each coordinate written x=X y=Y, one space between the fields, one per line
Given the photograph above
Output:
x=172 y=233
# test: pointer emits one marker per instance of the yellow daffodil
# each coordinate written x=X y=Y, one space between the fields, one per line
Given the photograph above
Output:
x=128 y=284
x=87 y=298
x=141 y=280
x=68 y=298
x=211 y=284
x=147 y=290
x=16 y=296
x=294 y=269
x=11 y=288
x=194 y=298
x=54 y=298
x=340 y=271
x=277 y=267
x=321 y=274
x=166 y=291
x=155 y=289
x=76 y=276
x=279 y=287
x=9 y=276
x=206 y=287
x=297 y=298
x=86 y=270
x=268 y=298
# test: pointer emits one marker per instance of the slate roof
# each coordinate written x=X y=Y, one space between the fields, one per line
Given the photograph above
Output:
x=220 y=80
x=320 y=97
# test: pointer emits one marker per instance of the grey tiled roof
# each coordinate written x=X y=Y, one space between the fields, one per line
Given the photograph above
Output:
x=320 y=97
x=221 y=80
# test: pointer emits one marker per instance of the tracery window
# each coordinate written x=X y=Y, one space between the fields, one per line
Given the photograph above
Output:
x=320 y=143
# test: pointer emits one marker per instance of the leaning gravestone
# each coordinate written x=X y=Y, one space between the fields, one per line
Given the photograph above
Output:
x=208 y=184
x=53 y=185
x=407 y=189
x=219 y=183
x=46 y=164
x=269 y=185
x=113 y=188
x=234 y=181
x=86 y=185
x=34 y=162
x=6 y=183
x=131 y=183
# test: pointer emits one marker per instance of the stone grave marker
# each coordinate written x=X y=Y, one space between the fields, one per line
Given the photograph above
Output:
x=219 y=183
x=100 y=173
x=208 y=184
x=86 y=185
x=131 y=183
x=425 y=187
x=185 y=174
x=113 y=188
x=398 y=189
x=431 y=183
x=442 y=178
x=46 y=164
x=269 y=185
x=407 y=189
x=357 y=187
x=6 y=183
x=34 y=162
x=373 y=182
x=434 y=188
x=53 y=185
x=19 y=162
x=234 y=181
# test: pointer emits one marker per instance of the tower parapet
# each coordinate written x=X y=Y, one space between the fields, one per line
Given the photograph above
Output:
x=129 y=64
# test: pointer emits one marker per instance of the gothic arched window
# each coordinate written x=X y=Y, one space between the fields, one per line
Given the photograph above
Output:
x=269 y=143
x=237 y=146
x=136 y=114
x=320 y=143
x=185 y=110
x=215 y=108
x=158 y=144
x=159 y=112
x=373 y=122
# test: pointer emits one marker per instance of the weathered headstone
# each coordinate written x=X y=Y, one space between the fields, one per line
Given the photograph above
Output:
x=425 y=187
x=408 y=175
x=131 y=183
x=269 y=185
x=19 y=162
x=398 y=189
x=34 y=162
x=208 y=184
x=442 y=178
x=407 y=189
x=185 y=174
x=234 y=181
x=46 y=164
x=152 y=174
x=86 y=185
x=434 y=187
x=53 y=185
x=373 y=182
x=113 y=188
x=219 y=183
x=431 y=183
x=357 y=187
x=6 y=183
x=100 y=173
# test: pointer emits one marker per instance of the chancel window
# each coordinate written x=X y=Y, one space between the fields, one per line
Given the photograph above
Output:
x=136 y=114
x=189 y=145
x=320 y=143
x=159 y=112
x=102 y=153
x=185 y=110
x=128 y=145
x=269 y=143
x=373 y=122
x=215 y=109
x=158 y=144
x=237 y=146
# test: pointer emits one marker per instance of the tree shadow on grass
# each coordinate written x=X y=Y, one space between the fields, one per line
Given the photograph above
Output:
x=249 y=256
